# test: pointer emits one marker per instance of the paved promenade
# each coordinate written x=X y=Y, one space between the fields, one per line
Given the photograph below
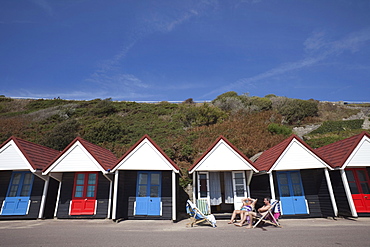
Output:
x=295 y=232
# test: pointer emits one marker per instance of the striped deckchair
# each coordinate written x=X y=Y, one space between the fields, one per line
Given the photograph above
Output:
x=203 y=206
x=196 y=216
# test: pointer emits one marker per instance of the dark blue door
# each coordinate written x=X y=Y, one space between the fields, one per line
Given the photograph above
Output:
x=18 y=195
x=291 y=191
x=148 y=194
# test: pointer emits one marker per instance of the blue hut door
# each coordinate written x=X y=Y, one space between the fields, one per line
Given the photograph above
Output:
x=18 y=196
x=148 y=194
x=292 y=196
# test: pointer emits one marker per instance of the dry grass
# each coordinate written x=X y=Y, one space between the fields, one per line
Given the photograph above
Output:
x=333 y=112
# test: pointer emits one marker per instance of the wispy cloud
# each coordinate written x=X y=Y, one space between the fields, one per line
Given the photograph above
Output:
x=317 y=49
x=116 y=81
x=44 y=4
x=110 y=72
x=185 y=86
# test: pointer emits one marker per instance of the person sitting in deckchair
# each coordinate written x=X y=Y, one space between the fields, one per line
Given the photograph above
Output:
x=248 y=205
x=252 y=214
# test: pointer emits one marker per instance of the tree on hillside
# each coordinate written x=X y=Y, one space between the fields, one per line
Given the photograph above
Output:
x=295 y=110
x=205 y=114
x=61 y=135
x=106 y=130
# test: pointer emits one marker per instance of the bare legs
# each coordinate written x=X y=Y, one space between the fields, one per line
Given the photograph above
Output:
x=235 y=213
x=247 y=214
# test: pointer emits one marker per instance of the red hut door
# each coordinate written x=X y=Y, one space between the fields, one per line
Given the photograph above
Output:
x=358 y=181
x=84 y=194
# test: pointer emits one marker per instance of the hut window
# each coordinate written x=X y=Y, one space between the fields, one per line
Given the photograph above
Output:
x=203 y=185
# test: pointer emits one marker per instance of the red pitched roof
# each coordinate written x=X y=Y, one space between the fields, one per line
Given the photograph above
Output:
x=37 y=155
x=214 y=144
x=103 y=156
x=155 y=145
x=269 y=157
x=338 y=152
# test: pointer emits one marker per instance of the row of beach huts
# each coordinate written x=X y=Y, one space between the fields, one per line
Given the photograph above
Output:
x=87 y=181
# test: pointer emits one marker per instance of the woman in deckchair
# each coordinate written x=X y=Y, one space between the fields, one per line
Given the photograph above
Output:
x=248 y=205
x=252 y=214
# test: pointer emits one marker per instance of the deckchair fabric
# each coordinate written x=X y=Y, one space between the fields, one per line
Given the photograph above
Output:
x=203 y=206
x=268 y=216
x=196 y=216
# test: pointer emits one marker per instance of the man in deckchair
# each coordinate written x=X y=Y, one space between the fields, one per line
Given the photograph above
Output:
x=252 y=214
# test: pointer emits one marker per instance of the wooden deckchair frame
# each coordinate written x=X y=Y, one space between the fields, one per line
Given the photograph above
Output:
x=265 y=216
x=196 y=211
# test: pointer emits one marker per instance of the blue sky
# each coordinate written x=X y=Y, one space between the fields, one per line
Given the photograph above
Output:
x=153 y=50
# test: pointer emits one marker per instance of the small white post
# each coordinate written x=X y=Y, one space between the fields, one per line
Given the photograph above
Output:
x=114 y=208
x=110 y=198
x=248 y=180
x=43 y=198
x=57 y=202
x=173 y=195
x=194 y=188
x=272 y=187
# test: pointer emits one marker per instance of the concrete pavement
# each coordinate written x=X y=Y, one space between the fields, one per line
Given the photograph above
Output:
x=295 y=232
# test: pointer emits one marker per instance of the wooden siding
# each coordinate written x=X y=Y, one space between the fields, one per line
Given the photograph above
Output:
x=182 y=198
x=51 y=198
x=222 y=153
x=5 y=177
x=77 y=154
x=11 y=158
x=35 y=198
x=317 y=193
x=102 y=197
x=260 y=188
x=127 y=195
x=298 y=153
x=360 y=155
x=340 y=194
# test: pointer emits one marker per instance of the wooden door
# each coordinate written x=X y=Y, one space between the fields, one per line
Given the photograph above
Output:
x=17 y=200
x=239 y=188
x=148 y=194
x=358 y=180
x=293 y=200
x=84 y=194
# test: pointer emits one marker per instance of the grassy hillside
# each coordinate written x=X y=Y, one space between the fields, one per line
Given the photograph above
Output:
x=184 y=131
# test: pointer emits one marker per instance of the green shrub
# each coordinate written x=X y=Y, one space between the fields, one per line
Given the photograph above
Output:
x=61 y=135
x=223 y=96
x=295 y=110
x=279 y=129
x=229 y=104
x=263 y=104
x=106 y=130
x=332 y=126
x=204 y=115
x=5 y=99
x=39 y=104
x=103 y=108
x=320 y=142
